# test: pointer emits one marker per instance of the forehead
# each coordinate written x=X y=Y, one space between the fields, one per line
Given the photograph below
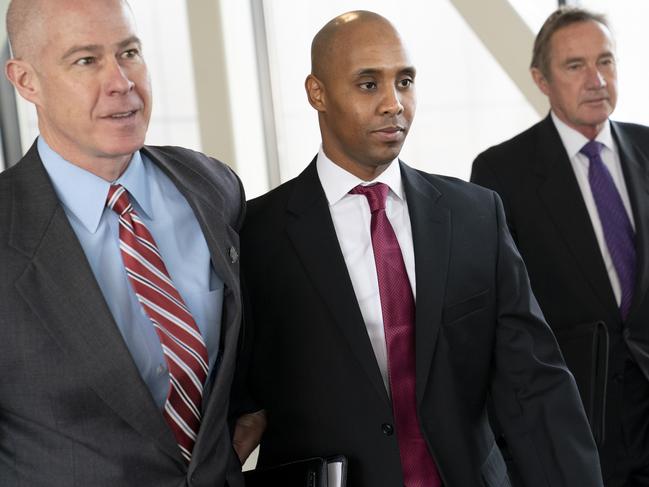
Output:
x=371 y=46
x=581 y=39
x=72 y=23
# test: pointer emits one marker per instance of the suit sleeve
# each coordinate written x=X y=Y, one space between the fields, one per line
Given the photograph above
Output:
x=535 y=396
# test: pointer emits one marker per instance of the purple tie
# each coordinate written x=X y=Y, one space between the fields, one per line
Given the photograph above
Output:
x=618 y=232
x=398 y=307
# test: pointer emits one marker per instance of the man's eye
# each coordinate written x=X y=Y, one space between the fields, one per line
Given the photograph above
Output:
x=130 y=53
x=368 y=85
x=85 y=61
x=405 y=83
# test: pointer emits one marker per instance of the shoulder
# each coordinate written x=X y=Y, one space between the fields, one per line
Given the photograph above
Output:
x=197 y=167
x=26 y=174
x=632 y=129
x=639 y=134
x=271 y=203
x=204 y=176
x=508 y=152
x=453 y=192
x=192 y=159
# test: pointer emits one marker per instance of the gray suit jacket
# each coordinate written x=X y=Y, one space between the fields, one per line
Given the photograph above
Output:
x=74 y=410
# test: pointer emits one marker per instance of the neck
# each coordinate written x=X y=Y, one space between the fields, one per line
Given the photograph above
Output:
x=107 y=168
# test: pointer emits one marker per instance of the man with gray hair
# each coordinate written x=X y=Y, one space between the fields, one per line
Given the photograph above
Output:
x=120 y=305
x=574 y=187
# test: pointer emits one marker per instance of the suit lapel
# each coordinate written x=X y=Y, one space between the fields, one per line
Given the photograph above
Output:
x=637 y=183
x=560 y=193
x=431 y=224
x=61 y=289
x=311 y=231
x=208 y=206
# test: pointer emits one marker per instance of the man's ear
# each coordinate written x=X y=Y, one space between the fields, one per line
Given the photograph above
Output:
x=540 y=80
x=315 y=92
x=21 y=74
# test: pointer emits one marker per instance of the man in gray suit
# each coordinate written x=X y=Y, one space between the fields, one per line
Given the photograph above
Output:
x=119 y=291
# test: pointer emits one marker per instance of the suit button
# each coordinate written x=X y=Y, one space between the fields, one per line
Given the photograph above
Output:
x=387 y=429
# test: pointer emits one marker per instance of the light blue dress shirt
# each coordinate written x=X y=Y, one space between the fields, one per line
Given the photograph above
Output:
x=181 y=243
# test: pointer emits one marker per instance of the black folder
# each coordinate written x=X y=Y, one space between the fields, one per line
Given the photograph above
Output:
x=585 y=350
x=309 y=472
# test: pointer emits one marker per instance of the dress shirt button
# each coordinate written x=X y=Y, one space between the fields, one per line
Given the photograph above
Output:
x=387 y=429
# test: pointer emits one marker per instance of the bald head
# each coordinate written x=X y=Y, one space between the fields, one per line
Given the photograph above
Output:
x=362 y=86
x=26 y=27
x=24 y=22
x=336 y=34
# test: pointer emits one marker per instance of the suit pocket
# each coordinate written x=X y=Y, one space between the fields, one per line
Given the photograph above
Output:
x=494 y=469
x=459 y=310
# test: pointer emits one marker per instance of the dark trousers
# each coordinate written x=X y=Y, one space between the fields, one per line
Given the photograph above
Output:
x=632 y=466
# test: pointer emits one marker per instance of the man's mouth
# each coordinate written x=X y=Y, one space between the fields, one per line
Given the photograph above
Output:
x=122 y=114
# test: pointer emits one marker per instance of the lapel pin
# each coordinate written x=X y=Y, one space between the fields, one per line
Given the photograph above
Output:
x=234 y=256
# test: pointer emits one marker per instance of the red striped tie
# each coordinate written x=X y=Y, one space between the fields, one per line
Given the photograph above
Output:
x=182 y=344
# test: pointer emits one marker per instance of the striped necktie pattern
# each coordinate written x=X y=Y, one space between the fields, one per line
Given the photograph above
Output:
x=182 y=344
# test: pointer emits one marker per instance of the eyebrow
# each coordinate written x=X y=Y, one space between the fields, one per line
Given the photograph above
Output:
x=373 y=71
x=581 y=59
x=96 y=47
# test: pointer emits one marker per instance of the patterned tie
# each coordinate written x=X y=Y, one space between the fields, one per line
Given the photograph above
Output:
x=182 y=344
x=618 y=232
x=398 y=308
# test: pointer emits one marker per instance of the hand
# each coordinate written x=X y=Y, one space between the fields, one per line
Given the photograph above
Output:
x=247 y=433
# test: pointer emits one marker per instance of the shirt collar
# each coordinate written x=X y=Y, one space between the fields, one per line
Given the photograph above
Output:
x=83 y=194
x=337 y=182
x=573 y=140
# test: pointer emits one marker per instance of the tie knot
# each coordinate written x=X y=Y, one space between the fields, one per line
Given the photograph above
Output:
x=118 y=199
x=592 y=149
x=376 y=194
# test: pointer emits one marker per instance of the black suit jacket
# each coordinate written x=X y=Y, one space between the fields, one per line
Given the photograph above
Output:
x=478 y=332
x=548 y=219
x=74 y=410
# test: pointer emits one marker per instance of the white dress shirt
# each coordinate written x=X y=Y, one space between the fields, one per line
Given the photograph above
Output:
x=351 y=217
x=573 y=141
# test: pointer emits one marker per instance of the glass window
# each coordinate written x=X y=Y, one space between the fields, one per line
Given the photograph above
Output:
x=534 y=13
x=627 y=19
x=466 y=102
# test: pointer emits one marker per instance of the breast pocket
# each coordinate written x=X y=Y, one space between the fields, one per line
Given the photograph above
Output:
x=465 y=307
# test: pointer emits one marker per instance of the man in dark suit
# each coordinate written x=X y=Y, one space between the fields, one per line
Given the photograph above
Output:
x=120 y=306
x=343 y=360
x=583 y=236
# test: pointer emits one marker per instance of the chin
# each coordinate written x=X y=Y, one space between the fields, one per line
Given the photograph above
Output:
x=123 y=147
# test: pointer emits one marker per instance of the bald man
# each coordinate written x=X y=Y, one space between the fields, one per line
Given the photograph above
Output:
x=120 y=305
x=389 y=303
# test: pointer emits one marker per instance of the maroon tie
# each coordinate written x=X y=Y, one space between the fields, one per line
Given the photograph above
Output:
x=182 y=344
x=398 y=307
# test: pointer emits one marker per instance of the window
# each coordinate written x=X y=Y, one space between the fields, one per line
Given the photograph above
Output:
x=466 y=102
x=627 y=22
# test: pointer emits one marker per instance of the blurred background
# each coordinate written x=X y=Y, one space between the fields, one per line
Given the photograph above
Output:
x=228 y=78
